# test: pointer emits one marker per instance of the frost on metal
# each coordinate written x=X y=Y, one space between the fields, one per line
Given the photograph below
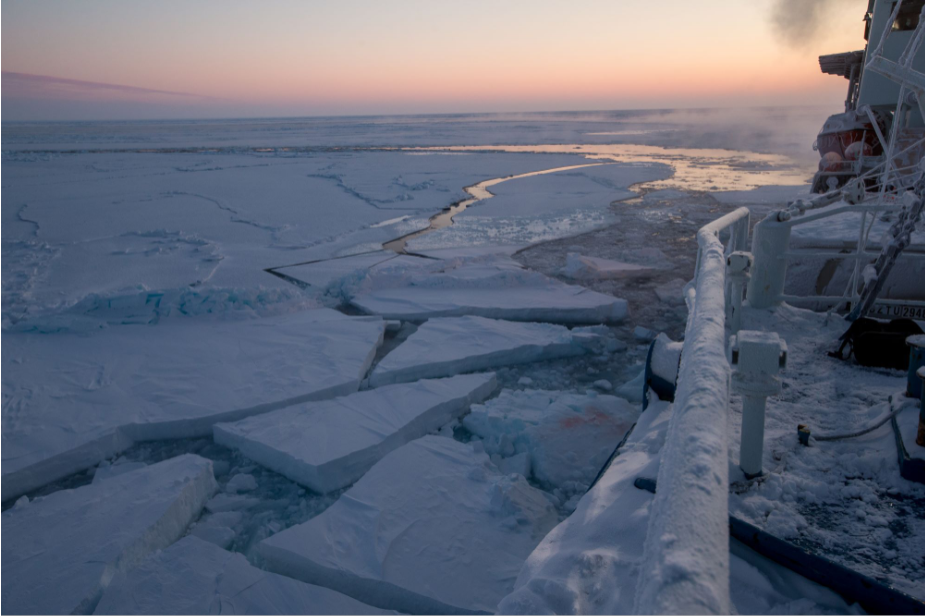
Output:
x=686 y=560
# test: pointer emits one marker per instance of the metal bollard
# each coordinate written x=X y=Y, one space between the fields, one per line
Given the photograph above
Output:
x=738 y=265
x=757 y=359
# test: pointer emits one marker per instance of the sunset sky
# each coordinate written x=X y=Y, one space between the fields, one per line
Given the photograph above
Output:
x=109 y=59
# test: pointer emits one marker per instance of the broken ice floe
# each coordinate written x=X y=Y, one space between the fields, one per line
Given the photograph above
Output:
x=567 y=437
x=72 y=400
x=671 y=292
x=60 y=551
x=324 y=272
x=195 y=577
x=446 y=346
x=329 y=445
x=581 y=267
x=494 y=287
x=432 y=528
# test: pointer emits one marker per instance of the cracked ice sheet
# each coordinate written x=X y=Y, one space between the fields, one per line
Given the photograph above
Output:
x=432 y=528
x=491 y=286
x=567 y=437
x=60 y=551
x=447 y=346
x=589 y=563
x=329 y=445
x=110 y=222
x=544 y=207
x=196 y=577
x=70 y=400
x=322 y=273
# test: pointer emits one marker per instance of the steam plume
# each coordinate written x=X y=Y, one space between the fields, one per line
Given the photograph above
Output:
x=798 y=22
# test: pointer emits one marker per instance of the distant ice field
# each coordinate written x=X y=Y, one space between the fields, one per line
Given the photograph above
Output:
x=121 y=209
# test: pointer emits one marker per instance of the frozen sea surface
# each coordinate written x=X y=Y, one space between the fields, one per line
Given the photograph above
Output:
x=169 y=228
x=73 y=399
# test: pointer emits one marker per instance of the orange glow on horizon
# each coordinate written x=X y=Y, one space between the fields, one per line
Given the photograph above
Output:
x=419 y=55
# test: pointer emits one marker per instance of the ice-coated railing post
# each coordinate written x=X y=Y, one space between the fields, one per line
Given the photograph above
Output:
x=769 y=270
x=685 y=567
x=737 y=272
x=757 y=359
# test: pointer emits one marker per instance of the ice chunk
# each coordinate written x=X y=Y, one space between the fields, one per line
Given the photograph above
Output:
x=108 y=471
x=60 y=552
x=498 y=288
x=671 y=292
x=195 y=577
x=518 y=463
x=432 y=528
x=230 y=502
x=242 y=482
x=582 y=267
x=329 y=445
x=554 y=303
x=326 y=272
x=72 y=400
x=567 y=436
x=222 y=536
x=442 y=347
x=632 y=389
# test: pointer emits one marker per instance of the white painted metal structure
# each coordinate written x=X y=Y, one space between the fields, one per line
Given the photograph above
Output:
x=890 y=178
x=690 y=509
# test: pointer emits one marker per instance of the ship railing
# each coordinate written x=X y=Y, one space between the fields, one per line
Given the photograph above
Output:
x=875 y=193
x=689 y=514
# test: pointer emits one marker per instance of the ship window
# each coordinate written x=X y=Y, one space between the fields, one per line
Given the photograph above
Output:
x=908 y=17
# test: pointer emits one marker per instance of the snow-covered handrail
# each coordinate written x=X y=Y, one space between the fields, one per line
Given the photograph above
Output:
x=685 y=568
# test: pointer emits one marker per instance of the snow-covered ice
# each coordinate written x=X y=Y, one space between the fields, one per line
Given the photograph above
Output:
x=580 y=267
x=109 y=223
x=432 y=528
x=543 y=207
x=61 y=551
x=195 y=577
x=672 y=291
x=329 y=445
x=554 y=302
x=323 y=273
x=72 y=399
x=446 y=346
x=567 y=437
x=494 y=287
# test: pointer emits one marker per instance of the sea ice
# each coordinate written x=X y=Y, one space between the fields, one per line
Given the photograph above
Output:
x=583 y=267
x=494 y=287
x=544 y=207
x=71 y=400
x=432 y=528
x=329 y=445
x=671 y=292
x=113 y=221
x=568 y=437
x=242 y=482
x=322 y=273
x=60 y=551
x=446 y=346
x=195 y=577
